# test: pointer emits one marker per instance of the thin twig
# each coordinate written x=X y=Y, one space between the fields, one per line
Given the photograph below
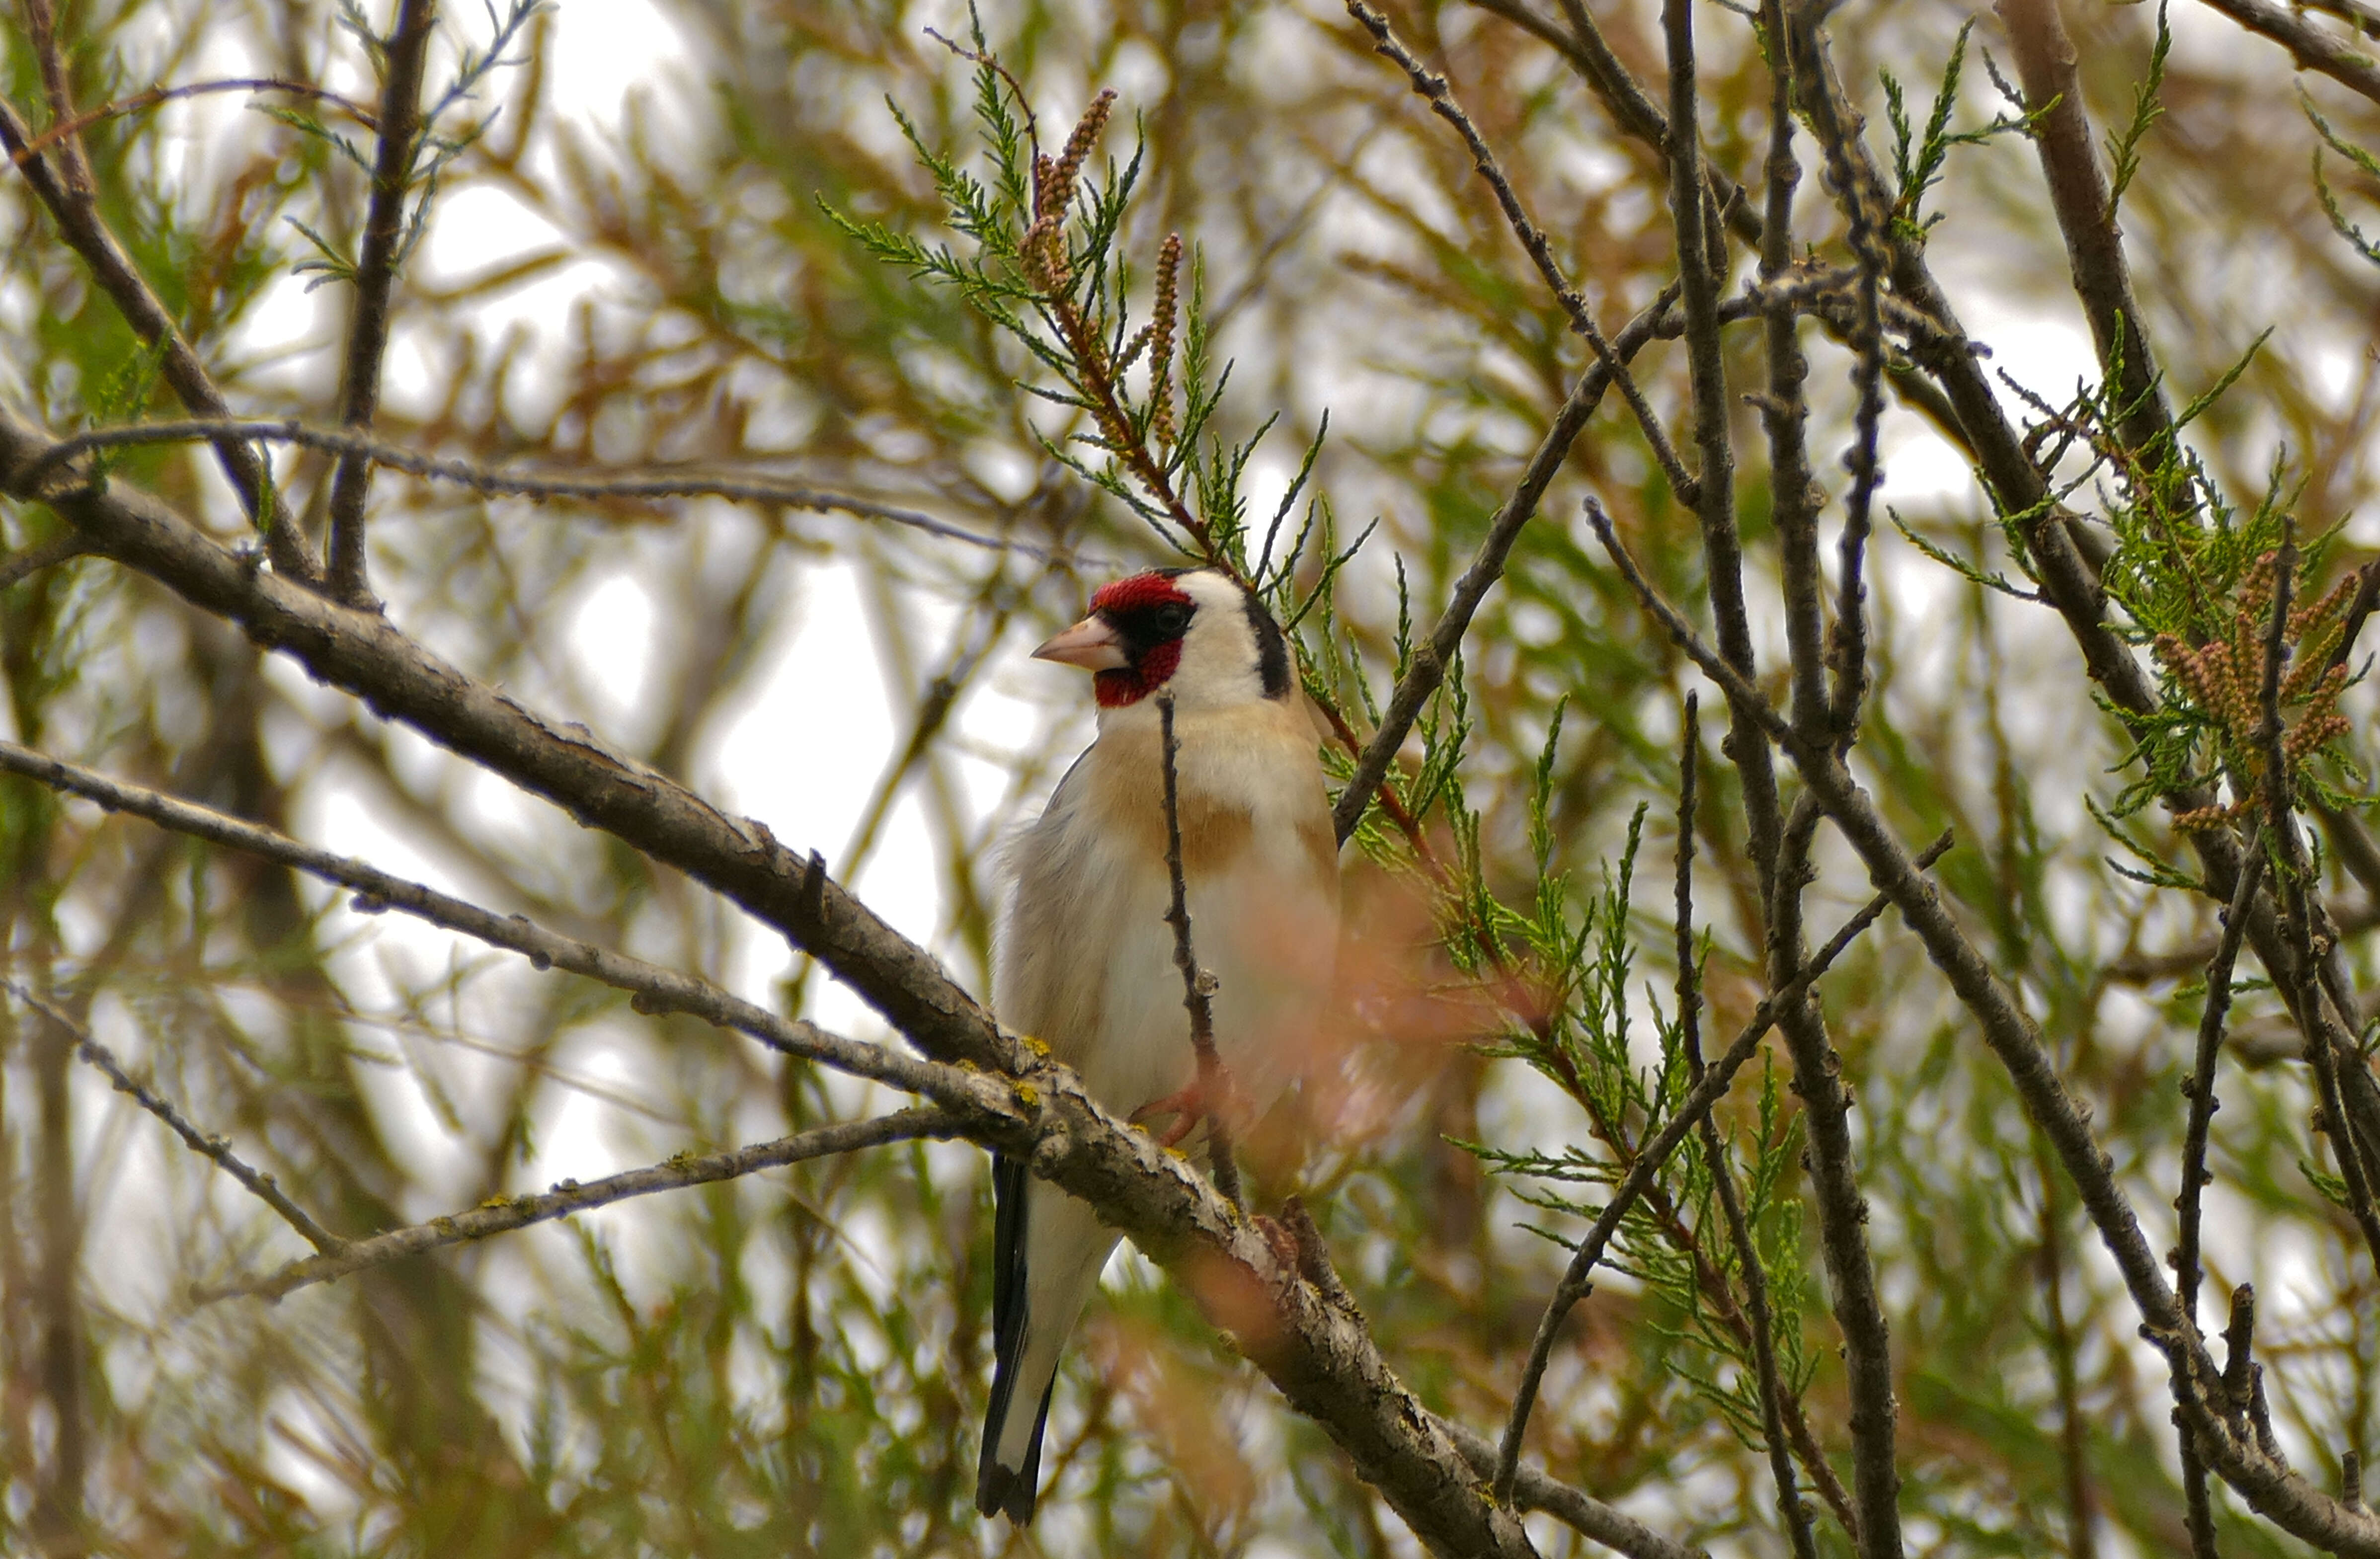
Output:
x=1864 y=224
x=1433 y=86
x=508 y=483
x=1532 y=1490
x=1717 y=1153
x=407 y=53
x=2194 y=1177
x=40 y=555
x=66 y=191
x=1698 y=1099
x=138 y=101
x=1834 y=1178
x=652 y=989
x=2359 y=611
x=259 y=1184
x=2355 y=13
x=1784 y=412
x=1427 y=667
x=2311 y=46
x=502 y=1215
x=1780 y=853
x=1196 y=984
x=2086 y=216
x=2292 y=871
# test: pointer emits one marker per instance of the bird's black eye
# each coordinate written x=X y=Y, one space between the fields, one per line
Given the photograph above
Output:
x=1172 y=620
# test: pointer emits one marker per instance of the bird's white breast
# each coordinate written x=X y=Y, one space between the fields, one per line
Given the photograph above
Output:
x=1086 y=958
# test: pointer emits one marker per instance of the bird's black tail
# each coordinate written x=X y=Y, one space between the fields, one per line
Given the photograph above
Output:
x=1008 y=1490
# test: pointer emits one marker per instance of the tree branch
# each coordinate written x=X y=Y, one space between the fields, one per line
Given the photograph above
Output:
x=2297 y=918
x=652 y=989
x=407 y=51
x=2086 y=216
x=66 y=191
x=2312 y=48
x=1583 y=1513
x=40 y=555
x=59 y=132
x=2200 y=1090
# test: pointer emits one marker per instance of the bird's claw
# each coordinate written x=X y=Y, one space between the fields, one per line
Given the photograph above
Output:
x=1282 y=1243
x=1188 y=1107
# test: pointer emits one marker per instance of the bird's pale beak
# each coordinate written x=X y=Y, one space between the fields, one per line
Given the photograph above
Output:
x=1090 y=644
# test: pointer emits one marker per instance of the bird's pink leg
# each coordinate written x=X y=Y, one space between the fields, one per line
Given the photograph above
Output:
x=1189 y=1106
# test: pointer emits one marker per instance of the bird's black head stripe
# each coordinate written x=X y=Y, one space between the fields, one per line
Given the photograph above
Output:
x=1272 y=648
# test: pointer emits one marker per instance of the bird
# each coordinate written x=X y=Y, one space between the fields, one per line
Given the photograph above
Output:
x=1083 y=957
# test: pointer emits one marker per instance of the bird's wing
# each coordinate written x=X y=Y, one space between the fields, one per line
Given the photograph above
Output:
x=1047 y=1247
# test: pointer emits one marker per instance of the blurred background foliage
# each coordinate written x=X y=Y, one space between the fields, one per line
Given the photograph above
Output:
x=636 y=270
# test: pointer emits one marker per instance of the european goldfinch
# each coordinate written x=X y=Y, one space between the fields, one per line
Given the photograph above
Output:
x=1084 y=960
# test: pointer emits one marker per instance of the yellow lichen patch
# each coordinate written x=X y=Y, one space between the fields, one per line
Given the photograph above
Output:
x=1027 y=1094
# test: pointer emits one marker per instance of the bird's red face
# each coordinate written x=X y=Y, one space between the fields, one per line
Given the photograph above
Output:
x=1131 y=642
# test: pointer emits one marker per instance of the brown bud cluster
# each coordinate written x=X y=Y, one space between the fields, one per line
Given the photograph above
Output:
x=1054 y=186
x=2224 y=678
x=1161 y=350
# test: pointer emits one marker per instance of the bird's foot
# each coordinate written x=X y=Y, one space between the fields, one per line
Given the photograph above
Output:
x=1210 y=1098
x=1282 y=1243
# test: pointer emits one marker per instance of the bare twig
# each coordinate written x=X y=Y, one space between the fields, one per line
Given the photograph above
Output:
x=2094 y=247
x=1195 y=982
x=1784 y=413
x=40 y=555
x=653 y=988
x=1426 y=669
x=1865 y=223
x=2355 y=13
x=1532 y=1490
x=2202 y=1105
x=41 y=472
x=406 y=52
x=1432 y=86
x=502 y=1215
x=2311 y=46
x=65 y=190
x=1697 y=1101
x=2359 y=611
x=1842 y=1211
x=2292 y=871
x=2239 y=1349
x=259 y=1184
x=1715 y=1151
x=140 y=101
